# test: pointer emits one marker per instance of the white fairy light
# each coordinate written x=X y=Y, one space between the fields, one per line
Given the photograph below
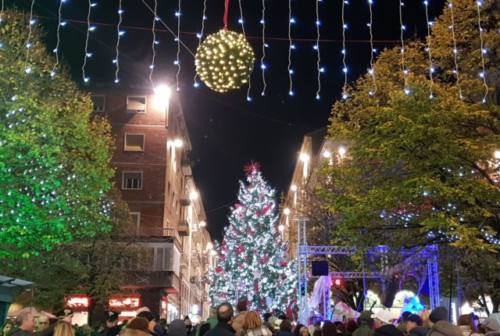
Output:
x=371 y=71
x=291 y=20
x=263 y=66
x=28 y=45
x=429 y=50
x=482 y=50
x=455 y=49
x=154 y=42
x=402 y=26
x=241 y=20
x=200 y=37
x=119 y=34
x=86 y=55
x=344 y=51
x=318 y=52
x=58 y=37
x=177 y=62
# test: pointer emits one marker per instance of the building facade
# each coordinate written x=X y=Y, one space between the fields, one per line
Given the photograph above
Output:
x=153 y=173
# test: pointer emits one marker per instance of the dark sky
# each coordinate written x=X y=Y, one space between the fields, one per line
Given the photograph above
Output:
x=226 y=131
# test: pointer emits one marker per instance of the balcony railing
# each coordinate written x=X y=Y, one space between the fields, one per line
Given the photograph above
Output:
x=158 y=232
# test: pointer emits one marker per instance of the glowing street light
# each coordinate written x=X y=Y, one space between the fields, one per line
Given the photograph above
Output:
x=162 y=96
x=286 y=211
x=210 y=246
x=496 y=154
x=327 y=154
x=178 y=143
x=293 y=188
x=203 y=224
x=342 y=151
x=193 y=196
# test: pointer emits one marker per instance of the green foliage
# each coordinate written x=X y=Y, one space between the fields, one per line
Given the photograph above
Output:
x=54 y=160
x=419 y=170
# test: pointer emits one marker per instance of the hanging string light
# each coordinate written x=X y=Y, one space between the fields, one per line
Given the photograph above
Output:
x=291 y=46
x=429 y=50
x=344 y=52
x=371 y=71
x=455 y=49
x=178 y=40
x=200 y=37
x=241 y=21
x=119 y=34
x=263 y=66
x=319 y=69
x=154 y=42
x=28 y=44
x=58 y=37
x=87 y=54
x=483 y=51
x=406 y=88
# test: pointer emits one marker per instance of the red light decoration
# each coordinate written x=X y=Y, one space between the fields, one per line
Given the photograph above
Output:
x=77 y=302
x=337 y=282
x=125 y=302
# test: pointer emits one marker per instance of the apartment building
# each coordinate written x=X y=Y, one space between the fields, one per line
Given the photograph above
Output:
x=153 y=173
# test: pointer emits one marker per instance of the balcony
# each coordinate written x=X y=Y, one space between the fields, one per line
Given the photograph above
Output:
x=183 y=228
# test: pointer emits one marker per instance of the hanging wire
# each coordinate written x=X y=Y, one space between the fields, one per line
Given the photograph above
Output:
x=178 y=40
x=154 y=42
x=28 y=44
x=263 y=66
x=119 y=34
x=371 y=71
x=455 y=49
x=87 y=55
x=318 y=53
x=200 y=37
x=58 y=38
x=344 y=52
x=483 y=51
x=406 y=88
x=241 y=21
x=429 y=50
x=291 y=46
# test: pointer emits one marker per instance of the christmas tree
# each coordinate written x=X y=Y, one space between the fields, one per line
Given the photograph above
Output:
x=252 y=259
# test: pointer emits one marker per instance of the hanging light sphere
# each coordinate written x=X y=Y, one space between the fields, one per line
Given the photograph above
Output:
x=224 y=61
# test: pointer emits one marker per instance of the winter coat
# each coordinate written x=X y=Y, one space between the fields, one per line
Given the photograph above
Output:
x=237 y=323
x=284 y=333
x=388 y=330
x=177 y=328
x=363 y=330
x=221 y=329
x=444 y=328
x=419 y=331
x=133 y=332
x=262 y=331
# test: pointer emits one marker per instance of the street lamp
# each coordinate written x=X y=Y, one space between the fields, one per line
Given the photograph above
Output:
x=161 y=99
x=496 y=154
x=342 y=151
x=193 y=196
x=286 y=211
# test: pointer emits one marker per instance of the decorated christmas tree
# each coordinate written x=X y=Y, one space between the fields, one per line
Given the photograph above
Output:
x=252 y=259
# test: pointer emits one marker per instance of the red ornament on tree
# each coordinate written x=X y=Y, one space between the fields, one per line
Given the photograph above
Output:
x=251 y=168
x=218 y=269
x=240 y=249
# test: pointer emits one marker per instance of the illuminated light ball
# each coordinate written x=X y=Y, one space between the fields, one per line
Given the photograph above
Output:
x=224 y=61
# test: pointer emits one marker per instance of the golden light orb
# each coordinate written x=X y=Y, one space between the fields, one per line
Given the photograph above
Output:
x=224 y=61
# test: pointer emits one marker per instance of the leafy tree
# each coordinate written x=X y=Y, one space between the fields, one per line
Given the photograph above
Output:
x=54 y=160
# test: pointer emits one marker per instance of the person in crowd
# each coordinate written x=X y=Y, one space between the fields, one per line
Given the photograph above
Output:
x=301 y=330
x=41 y=323
x=178 y=328
x=285 y=328
x=161 y=327
x=267 y=323
x=225 y=315
x=317 y=332
x=440 y=325
x=239 y=319
x=7 y=328
x=468 y=324
x=402 y=321
x=414 y=326
x=382 y=322
x=63 y=328
x=151 y=320
x=137 y=326
x=491 y=325
x=253 y=326
x=329 y=329
x=112 y=328
x=203 y=329
x=25 y=321
x=350 y=326
x=365 y=324
x=340 y=328
x=189 y=325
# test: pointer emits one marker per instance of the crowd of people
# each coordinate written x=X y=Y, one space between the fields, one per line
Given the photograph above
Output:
x=224 y=321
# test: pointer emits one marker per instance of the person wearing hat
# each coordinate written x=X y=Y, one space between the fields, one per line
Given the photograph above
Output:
x=112 y=328
x=440 y=325
x=382 y=322
x=365 y=324
x=491 y=325
x=414 y=326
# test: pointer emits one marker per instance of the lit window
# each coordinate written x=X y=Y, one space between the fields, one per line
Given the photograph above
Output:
x=99 y=103
x=132 y=180
x=136 y=104
x=134 y=142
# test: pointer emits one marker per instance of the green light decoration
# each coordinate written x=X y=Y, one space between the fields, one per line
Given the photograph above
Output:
x=54 y=160
x=252 y=261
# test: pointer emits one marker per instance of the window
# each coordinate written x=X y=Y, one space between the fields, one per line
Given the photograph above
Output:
x=136 y=220
x=134 y=142
x=136 y=104
x=99 y=102
x=132 y=180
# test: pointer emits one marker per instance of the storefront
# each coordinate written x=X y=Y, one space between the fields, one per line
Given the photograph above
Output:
x=80 y=304
x=125 y=304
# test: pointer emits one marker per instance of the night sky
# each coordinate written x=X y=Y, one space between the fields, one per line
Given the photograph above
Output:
x=226 y=131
